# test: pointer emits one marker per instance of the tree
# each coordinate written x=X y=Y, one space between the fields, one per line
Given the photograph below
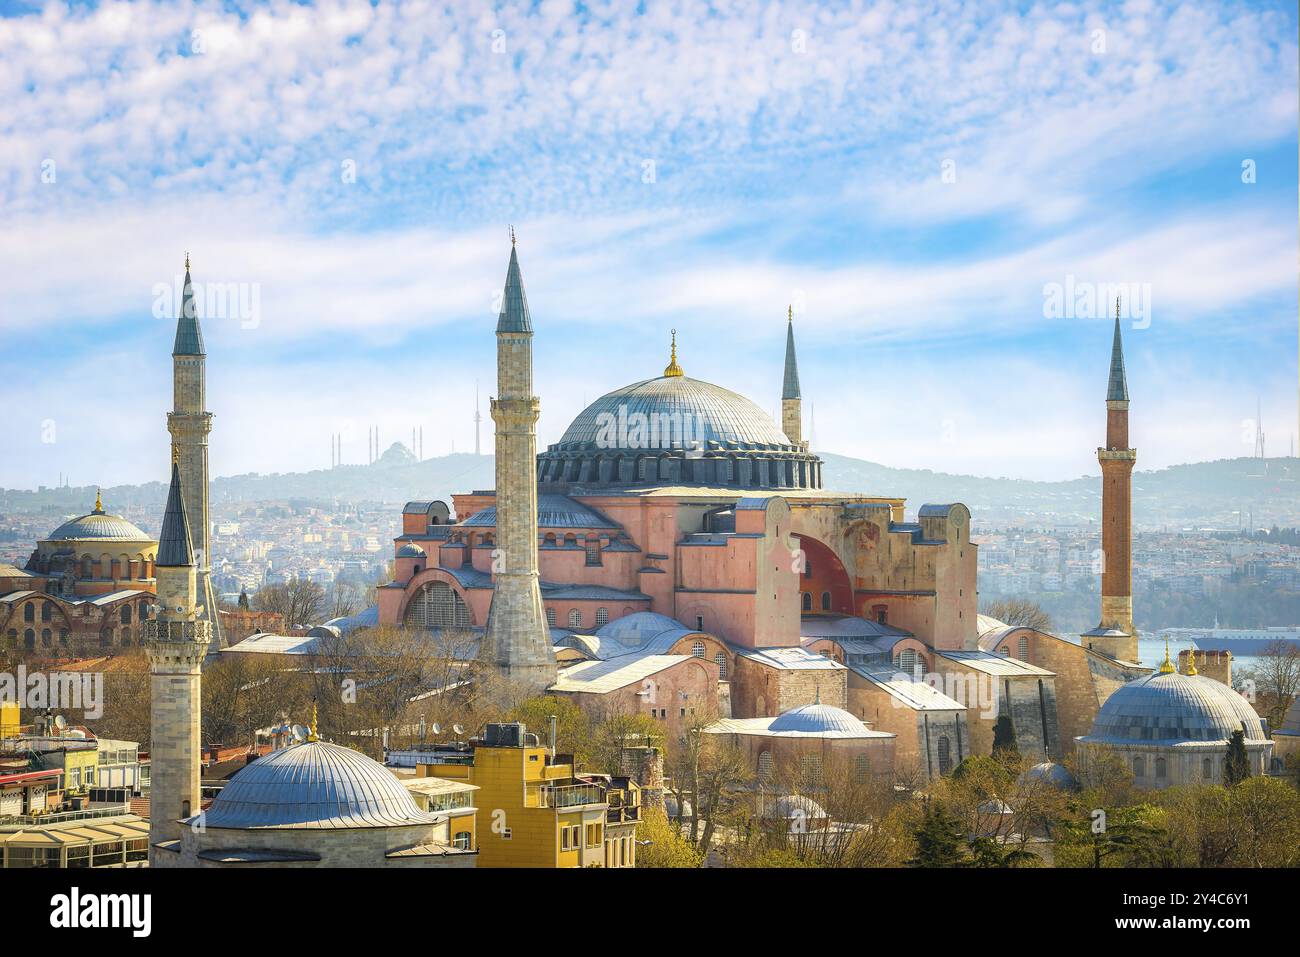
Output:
x=1120 y=837
x=1004 y=736
x=573 y=728
x=939 y=839
x=660 y=842
x=299 y=600
x=344 y=599
x=1275 y=680
x=243 y=600
x=1236 y=768
x=1020 y=612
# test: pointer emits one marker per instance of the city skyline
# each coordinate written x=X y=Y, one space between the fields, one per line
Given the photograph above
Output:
x=918 y=234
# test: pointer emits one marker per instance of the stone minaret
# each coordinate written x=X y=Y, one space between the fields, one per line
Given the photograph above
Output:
x=791 y=401
x=517 y=641
x=176 y=641
x=189 y=425
x=1117 y=461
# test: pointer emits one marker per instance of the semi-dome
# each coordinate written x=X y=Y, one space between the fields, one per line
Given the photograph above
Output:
x=1167 y=707
x=314 y=785
x=819 y=719
x=676 y=430
x=98 y=525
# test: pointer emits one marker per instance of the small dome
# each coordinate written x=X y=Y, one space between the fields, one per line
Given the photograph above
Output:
x=1054 y=774
x=411 y=550
x=818 y=719
x=314 y=785
x=98 y=525
x=1169 y=707
x=792 y=807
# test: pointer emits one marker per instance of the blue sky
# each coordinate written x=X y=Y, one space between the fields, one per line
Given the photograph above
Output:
x=912 y=176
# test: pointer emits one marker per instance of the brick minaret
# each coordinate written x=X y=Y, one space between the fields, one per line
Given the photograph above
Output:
x=189 y=425
x=517 y=641
x=791 y=401
x=1116 y=635
x=176 y=641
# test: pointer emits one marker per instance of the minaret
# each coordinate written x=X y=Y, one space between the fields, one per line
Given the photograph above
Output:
x=517 y=641
x=189 y=425
x=1117 y=461
x=176 y=641
x=791 y=401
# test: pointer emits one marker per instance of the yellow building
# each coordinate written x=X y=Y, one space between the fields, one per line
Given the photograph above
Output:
x=10 y=719
x=533 y=809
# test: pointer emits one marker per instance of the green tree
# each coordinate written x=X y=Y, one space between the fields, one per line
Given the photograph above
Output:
x=1122 y=837
x=939 y=839
x=1236 y=768
x=660 y=842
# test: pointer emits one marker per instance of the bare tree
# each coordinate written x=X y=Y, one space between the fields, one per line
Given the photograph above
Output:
x=299 y=601
x=1019 y=612
x=1276 y=676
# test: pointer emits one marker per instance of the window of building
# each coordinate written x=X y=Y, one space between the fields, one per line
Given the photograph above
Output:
x=810 y=769
x=126 y=614
x=881 y=615
x=697 y=649
x=826 y=601
x=1207 y=768
x=1139 y=767
x=595 y=835
x=438 y=605
x=575 y=618
x=721 y=661
x=29 y=612
x=906 y=661
x=807 y=601
x=602 y=617
x=945 y=755
x=47 y=611
x=463 y=840
x=765 y=765
x=643 y=467
x=593 y=552
x=699 y=622
x=1162 y=768
x=550 y=617
x=862 y=767
x=1022 y=648
x=29 y=639
x=47 y=638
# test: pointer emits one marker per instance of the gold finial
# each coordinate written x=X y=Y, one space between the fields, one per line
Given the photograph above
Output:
x=187 y=260
x=99 y=501
x=673 y=369
x=512 y=237
x=311 y=734
x=789 y=313
x=176 y=455
x=1167 y=666
x=1191 y=662
x=1117 y=307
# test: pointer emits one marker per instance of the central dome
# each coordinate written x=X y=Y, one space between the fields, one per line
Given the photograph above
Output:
x=1169 y=707
x=697 y=413
x=98 y=525
x=820 y=719
x=314 y=785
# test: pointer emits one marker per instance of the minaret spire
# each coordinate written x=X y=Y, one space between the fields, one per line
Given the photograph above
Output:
x=791 y=397
x=517 y=640
x=1117 y=388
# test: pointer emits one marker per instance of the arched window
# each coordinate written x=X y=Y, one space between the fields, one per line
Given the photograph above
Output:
x=29 y=612
x=575 y=618
x=438 y=605
x=126 y=614
x=810 y=770
x=721 y=661
x=643 y=467
x=1162 y=768
x=807 y=601
x=602 y=617
x=593 y=551
x=945 y=755
x=765 y=765
x=906 y=661
x=726 y=470
x=1207 y=768
x=697 y=649
x=862 y=767
x=1139 y=767
x=550 y=617
x=46 y=610
x=1022 y=648
x=549 y=540
x=29 y=639
x=826 y=601
x=47 y=637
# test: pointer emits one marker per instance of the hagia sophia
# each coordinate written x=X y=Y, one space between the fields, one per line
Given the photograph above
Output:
x=675 y=554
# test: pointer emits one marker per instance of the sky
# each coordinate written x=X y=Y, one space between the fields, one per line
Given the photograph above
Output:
x=918 y=180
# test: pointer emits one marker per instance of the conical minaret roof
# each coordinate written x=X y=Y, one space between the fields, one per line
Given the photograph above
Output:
x=189 y=340
x=1117 y=391
x=514 y=306
x=174 y=549
x=790 y=388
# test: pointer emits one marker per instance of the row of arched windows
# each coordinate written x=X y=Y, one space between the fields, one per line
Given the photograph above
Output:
x=808 y=601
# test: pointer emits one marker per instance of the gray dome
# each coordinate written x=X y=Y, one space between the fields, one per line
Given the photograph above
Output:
x=819 y=719
x=314 y=785
x=1055 y=774
x=98 y=525
x=1171 y=708
x=722 y=416
x=794 y=807
x=411 y=550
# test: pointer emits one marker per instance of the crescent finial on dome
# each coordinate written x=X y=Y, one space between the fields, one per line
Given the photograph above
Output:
x=673 y=369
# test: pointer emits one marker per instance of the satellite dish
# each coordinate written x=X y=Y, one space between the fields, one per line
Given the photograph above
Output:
x=60 y=722
x=436 y=728
x=299 y=733
x=458 y=729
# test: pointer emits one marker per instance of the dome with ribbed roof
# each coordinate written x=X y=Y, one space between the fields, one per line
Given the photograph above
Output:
x=819 y=719
x=411 y=550
x=1171 y=708
x=314 y=785
x=98 y=525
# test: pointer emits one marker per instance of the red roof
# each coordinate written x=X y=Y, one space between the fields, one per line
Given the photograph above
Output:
x=28 y=775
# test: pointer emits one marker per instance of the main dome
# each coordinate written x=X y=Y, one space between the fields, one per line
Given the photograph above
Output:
x=1167 y=707
x=98 y=525
x=708 y=413
x=314 y=785
x=675 y=430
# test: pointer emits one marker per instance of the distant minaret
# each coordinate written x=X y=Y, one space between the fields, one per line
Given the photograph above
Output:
x=189 y=424
x=791 y=400
x=1117 y=461
x=478 y=450
x=517 y=641
x=176 y=641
